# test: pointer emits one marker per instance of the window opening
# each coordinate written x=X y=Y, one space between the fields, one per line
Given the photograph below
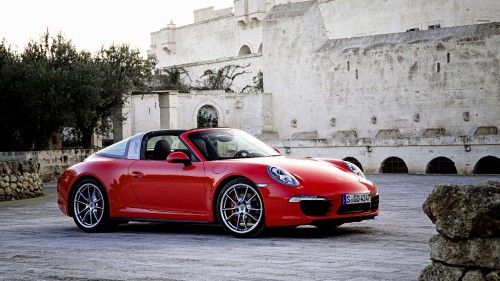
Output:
x=394 y=165
x=487 y=165
x=441 y=165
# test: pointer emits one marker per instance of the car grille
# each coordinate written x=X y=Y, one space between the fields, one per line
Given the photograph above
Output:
x=315 y=208
x=354 y=208
x=321 y=208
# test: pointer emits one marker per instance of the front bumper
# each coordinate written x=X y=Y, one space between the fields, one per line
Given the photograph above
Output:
x=302 y=209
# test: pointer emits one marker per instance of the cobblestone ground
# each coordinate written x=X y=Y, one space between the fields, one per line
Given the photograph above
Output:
x=37 y=242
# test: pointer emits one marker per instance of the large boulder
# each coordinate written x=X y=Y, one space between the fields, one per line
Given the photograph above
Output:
x=465 y=211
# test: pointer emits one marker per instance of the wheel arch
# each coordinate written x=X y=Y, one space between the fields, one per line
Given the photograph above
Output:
x=218 y=190
x=73 y=189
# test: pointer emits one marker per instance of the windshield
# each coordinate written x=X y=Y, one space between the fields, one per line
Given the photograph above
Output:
x=229 y=144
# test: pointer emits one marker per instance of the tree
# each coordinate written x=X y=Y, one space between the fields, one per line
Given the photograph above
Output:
x=42 y=104
x=102 y=84
x=52 y=86
x=10 y=75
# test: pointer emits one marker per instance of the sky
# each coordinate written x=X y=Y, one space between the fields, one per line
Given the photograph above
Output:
x=91 y=24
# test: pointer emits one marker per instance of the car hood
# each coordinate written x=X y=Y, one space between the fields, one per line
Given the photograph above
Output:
x=312 y=172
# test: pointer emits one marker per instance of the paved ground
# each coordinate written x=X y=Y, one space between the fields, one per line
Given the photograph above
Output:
x=38 y=243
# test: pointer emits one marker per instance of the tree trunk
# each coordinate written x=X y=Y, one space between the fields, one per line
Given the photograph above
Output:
x=86 y=138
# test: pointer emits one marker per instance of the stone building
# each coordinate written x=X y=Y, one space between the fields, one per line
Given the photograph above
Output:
x=393 y=85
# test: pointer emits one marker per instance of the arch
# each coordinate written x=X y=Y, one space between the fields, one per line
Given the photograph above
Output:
x=393 y=165
x=207 y=116
x=202 y=103
x=260 y=49
x=245 y=50
x=441 y=165
x=355 y=162
x=487 y=165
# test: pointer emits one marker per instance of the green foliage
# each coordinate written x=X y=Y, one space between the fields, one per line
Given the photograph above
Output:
x=223 y=78
x=207 y=120
x=258 y=84
x=52 y=86
x=173 y=80
x=258 y=81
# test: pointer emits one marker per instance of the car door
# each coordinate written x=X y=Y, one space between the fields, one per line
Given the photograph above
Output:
x=168 y=187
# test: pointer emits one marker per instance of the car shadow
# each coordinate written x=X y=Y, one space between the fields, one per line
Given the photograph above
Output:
x=216 y=230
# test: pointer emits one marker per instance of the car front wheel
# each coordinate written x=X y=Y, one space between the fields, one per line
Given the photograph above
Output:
x=90 y=208
x=240 y=209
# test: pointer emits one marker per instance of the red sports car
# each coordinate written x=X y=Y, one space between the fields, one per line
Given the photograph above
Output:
x=215 y=175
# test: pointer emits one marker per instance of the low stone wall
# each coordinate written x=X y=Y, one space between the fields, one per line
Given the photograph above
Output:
x=467 y=219
x=19 y=180
x=52 y=162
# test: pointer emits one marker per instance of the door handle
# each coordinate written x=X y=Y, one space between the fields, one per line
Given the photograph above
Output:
x=137 y=175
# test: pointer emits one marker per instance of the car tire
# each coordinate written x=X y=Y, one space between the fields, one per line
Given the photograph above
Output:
x=240 y=209
x=90 y=206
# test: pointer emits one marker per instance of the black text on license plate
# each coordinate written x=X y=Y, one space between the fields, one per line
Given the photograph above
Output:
x=356 y=198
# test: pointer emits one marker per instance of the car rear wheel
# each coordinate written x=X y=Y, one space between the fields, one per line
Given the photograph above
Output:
x=240 y=209
x=90 y=207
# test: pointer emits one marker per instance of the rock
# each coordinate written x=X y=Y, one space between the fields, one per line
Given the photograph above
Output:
x=493 y=276
x=2 y=192
x=8 y=191
x=474 y=275
x=478 y=252
x=465 y=211
x=439 y=271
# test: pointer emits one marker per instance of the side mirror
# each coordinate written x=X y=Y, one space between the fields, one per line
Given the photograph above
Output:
x=179 y=157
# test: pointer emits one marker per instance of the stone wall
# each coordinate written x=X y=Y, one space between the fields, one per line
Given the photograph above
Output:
x=467 y=219
x=51 y=163
x=444 y=81
x=382 y=16
x=19 y=180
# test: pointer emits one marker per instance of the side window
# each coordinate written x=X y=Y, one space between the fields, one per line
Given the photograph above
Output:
x=159 y=147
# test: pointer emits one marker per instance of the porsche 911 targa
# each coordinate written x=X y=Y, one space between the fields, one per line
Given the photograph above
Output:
x=213 y=175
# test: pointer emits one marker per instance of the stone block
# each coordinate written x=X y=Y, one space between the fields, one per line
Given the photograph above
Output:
x=474 y=275
x=478 y=252
x=465 y=211
x=493 y=276
x=439 y=271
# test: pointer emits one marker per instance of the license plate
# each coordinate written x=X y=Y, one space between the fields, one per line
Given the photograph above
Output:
x=356 y=198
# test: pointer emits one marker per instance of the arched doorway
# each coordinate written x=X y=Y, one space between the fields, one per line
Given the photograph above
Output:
x=441 y=165
x=487 y=165
x=207 y=117
x=394 y=165
x=354 y=161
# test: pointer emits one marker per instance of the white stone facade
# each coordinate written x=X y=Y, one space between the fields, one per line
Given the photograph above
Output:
x=417 y=95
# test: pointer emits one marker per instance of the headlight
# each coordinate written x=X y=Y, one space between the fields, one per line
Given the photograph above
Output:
x=354 y=169
x=282 y=176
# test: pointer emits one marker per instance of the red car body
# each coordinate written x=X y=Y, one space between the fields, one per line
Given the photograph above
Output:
x=187 y=185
